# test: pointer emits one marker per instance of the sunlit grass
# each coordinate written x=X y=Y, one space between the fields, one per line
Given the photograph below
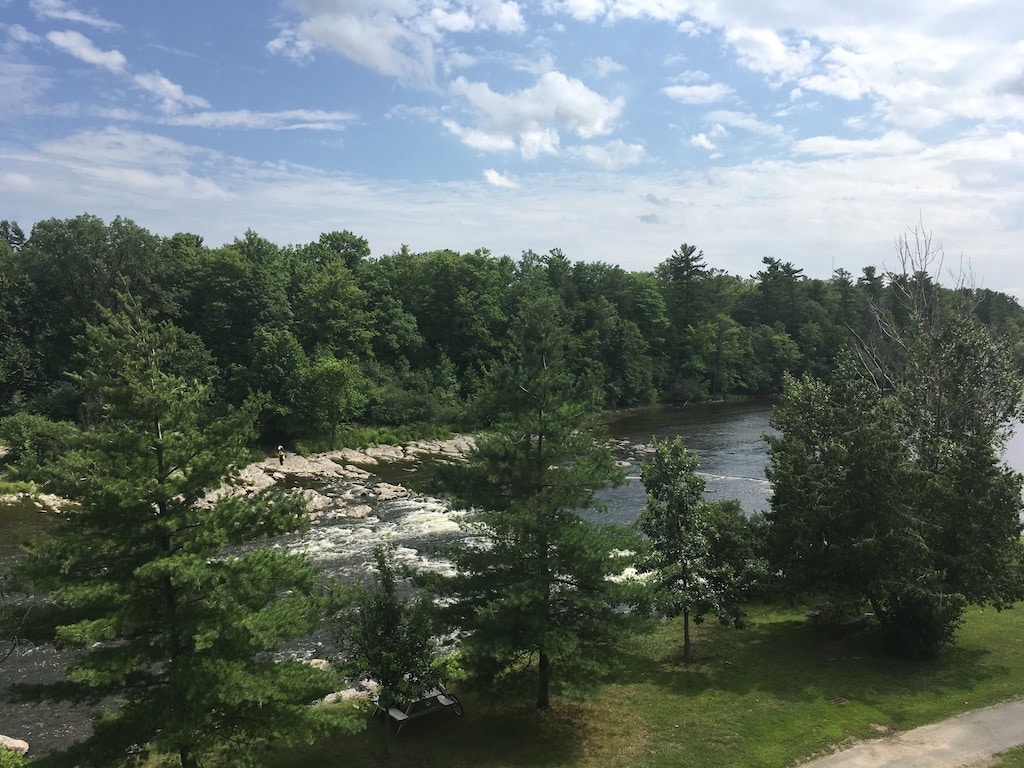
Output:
x=775 y=694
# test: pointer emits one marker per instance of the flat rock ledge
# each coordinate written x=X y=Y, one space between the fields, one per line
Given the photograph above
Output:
x=346 y=465
x=14 y=745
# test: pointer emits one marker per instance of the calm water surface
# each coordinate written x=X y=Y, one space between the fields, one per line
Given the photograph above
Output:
x=727 y=439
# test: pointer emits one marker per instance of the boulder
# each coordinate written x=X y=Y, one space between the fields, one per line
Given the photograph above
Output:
x=14 y=745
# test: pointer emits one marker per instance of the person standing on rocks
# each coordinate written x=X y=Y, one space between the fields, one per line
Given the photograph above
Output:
x=280 y=455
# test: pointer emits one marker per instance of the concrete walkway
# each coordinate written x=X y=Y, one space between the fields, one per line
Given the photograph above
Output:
x=970 y=739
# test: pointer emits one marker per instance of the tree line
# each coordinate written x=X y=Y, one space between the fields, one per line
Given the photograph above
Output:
x=329 y=334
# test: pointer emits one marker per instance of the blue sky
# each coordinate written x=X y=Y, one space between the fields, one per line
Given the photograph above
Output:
x=813 y=131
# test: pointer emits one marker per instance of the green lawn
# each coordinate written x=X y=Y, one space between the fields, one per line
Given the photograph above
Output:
x=775 y=694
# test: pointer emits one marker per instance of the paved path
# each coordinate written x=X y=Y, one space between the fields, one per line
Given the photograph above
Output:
x=970 y=739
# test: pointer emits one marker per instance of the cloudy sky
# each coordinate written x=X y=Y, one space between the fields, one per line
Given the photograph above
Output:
x=815 y=131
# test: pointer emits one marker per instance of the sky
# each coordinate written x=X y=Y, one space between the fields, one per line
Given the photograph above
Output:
x=817 y=132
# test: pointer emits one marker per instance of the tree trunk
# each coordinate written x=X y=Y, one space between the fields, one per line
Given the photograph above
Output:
x=686 y=634
x=188 y=760
x=544 y=682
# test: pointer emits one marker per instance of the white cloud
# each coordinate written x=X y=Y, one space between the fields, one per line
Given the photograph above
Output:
x=20 y=35
x=701 y=140
x=501 y=15
x=765 y=52
x=743 y=120
x=535 y=141
x=403 y=39
x=307 y=119
x=172 y=96
x=555 y=99
x=894 y=142
x=484 y=141
x=582 y=10
x=452 y=21
x=613 y=156
x=22 y=88
x=63 y=11
x=698 y=94
x=602 y=66
x=496 y=179
x=114 y=149
x=380 y=41
x=82 y=48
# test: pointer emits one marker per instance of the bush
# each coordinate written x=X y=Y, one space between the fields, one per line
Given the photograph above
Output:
x=917 y=623
x=9 y=759
x=35 y=440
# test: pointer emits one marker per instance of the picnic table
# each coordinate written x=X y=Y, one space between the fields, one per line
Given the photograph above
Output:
x=438 y=699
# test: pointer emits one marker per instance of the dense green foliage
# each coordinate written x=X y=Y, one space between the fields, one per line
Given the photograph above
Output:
x=888 y=481
x=532 y=589
x=171 y=615
x=888 y=487
x=330 y=334
x=388 y=638
x=704 y=554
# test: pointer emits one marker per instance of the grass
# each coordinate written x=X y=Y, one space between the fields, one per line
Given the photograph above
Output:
x=776 y=694
x=16 y=487
x=1013 y=758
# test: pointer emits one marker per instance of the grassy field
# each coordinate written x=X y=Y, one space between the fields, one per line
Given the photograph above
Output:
x=775 y=694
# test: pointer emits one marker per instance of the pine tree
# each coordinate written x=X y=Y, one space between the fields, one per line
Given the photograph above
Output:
x=532 y=584
x=175 y=610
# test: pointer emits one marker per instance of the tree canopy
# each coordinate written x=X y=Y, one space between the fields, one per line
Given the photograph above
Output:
x=415 y=333
x=888 y=482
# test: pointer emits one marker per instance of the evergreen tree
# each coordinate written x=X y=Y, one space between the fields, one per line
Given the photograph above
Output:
x=174 y=610
x=532 y=583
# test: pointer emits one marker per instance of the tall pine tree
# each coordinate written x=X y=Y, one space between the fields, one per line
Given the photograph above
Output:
x=174 y=610
x=532 y=585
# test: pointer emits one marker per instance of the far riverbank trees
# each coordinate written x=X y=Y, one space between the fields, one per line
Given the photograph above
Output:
x=331 y=334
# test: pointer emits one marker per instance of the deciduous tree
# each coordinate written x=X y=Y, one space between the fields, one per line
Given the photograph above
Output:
x=700 y=564
x=888 y=482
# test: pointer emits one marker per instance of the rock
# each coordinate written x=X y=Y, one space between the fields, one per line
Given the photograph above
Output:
x=357 y=511
x=14 y=745
x=386 y=452
x=388 y=492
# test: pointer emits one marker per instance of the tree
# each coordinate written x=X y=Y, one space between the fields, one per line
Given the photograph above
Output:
x=533 y=590
x=334 y=391
x=388 y=638
x=703 y=556
x=172 y=606
x=888 y=483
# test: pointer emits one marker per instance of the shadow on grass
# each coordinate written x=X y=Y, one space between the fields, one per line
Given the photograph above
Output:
x=505 y=737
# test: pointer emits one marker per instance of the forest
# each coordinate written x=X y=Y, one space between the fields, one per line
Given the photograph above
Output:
x=140 y=372
x=331 y=335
